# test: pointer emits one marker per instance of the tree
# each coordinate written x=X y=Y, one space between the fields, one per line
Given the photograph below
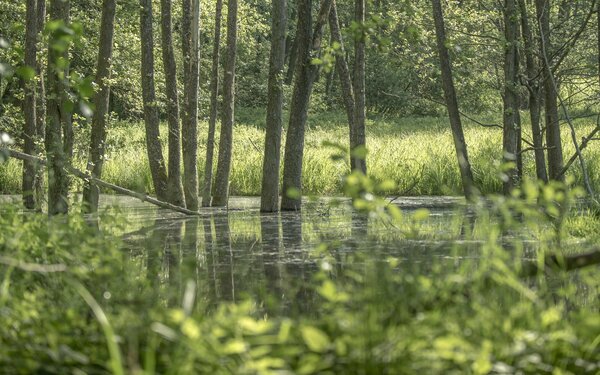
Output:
x=511 y=95
x=270 y=180
x=345 y=78
x=309 y=47
x=59 y=116
x=191 y=72
x=29 y=104
x=40 y=105
x=214 y=108
x=534 y=89
x=98 y=134
x=151 y=119
x=452 y=103
x=221 y=193
x=359 y=87
x=174 y=186
x=553 y=139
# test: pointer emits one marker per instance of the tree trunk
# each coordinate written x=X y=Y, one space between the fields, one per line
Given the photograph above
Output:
x=91 y=192
x=221 y=193
x=553 y=139
x=174 y=186
x=270 y=180
x=293 y=59
x=309 y=47
x=345 y=78
x=359 y=87
x=151 y=119
x=511 y=96
x=191 y=73
x=214 y=109
x=40 y=107
x=58 y=120
x=29 y=105
x=452 y=103
x=534 y=94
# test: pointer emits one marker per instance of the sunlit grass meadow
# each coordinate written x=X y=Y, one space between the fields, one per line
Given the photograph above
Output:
x=416 y=153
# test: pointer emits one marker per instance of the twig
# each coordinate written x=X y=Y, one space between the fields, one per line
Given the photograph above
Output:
x=561 y=262
x=33 y=267
x=78 y=173
x=444 y=104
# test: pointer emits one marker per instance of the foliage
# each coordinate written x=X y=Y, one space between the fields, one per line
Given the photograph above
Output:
x=69 y=293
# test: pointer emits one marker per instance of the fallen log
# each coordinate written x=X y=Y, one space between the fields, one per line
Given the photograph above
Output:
x=121 y=190
x=556 y=262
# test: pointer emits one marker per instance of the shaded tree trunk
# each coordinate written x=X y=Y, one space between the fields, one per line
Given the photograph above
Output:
x=58 y=120
x=452 y=103
x=360 y=163
x=40 y=103
x=214 y=109
x=29 y=105
x=191 y=70
x=553 y=139
x=151 y=119
x=91 y=191
x=221 y=193
x=271 y=162
x=344 y=76
x=309 y=47
x=293 y=58
x=174 y=186
x=511 y=97
x=534 y=89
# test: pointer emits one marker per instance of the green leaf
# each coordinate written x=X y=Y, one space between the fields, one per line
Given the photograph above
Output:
x=359 y=152
x=27 y=73
x=293 y=193
x=315 y=339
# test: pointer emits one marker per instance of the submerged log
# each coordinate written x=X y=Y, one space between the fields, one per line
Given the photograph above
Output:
x=561 y=263
x=121 y=190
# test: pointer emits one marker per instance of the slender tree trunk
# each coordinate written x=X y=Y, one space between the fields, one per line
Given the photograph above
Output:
x=103 y=74
x=344 y=76
x=58 y=118
x=359 y=86
x=534 y=94
x=270 y=180
x=29 y=105
x=191 y=70
x=553 y=139
x=293 y=59
x=174 y=186
x=511 y=96
x=151 y=119
x=452 y=103
x=214 y=109
x=309 y=47
x=40 y=108
x=221 y=193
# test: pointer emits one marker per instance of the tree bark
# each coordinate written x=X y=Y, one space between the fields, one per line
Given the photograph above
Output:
x=534 y=89
x=151 y=119
x=174 y=186
x=214 y=109
x=40 y=107
x=359 y=87
x=553 y=139
x=271 y=162
x=221 y=193
x=58 y=120
x=98 y=135
x=29 y=105
x=191 y=70
x=309 y=47
x=293 y=59
x=344 y=76
x=452 y=103
x=511 y=97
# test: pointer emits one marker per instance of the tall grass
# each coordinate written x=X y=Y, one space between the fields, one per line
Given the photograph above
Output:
x=417 y=153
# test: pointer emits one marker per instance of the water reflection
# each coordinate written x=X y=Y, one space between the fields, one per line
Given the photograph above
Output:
x=229 y=255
